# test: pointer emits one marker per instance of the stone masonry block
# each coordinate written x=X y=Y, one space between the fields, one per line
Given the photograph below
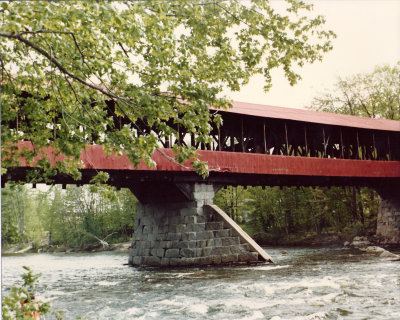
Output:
x=188 y=212
x=174 y=236
x=220 y=251
x=159 y=237
x=137 y=260
x=147 y=229
x=151 y=261
x=198 y=227
x=147 y=220
x=214 y=225
x=248 y=257
x=222 y=233
x=144 y=244
x=205 y=260
x=157 y=252
x=182 y=227
x=200 y=204
x=188 y=253
x=175 y=220
x=236 y=249
x=199 y=252
x=205 y=235
x=229 y=258
x=188 y=236
x=172 y=253
x=201 y=243
x=165 y=261
x=145 y=252
x=216 y=259
x=187 y=261
x=152 y=237
x=166 y=244
x=174 y=262
x=199 y=195
x=217 y=242
x=230 y=241
x=189 y=219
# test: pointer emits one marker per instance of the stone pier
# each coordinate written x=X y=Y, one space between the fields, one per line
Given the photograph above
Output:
x=388 y=222
x=183 y=230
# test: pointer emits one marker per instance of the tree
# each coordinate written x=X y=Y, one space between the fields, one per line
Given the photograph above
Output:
x=233 y=201
x=373 y=95
x=130 y=75
x=15 y=206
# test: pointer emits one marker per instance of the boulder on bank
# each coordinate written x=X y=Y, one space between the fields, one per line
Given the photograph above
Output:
x=364 y=244
x=380 y=252
x=388 y=254
x=360 y=242
x=374 y=249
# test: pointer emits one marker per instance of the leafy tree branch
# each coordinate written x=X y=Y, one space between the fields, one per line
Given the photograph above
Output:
x=131 y=75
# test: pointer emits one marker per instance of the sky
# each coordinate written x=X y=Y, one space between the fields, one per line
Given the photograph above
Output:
x=368 y=34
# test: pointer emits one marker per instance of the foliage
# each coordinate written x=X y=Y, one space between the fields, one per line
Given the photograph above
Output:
x=21 y=302
x=77 y=216
x=233 y=201
x=15 y=207
x=280 y=212
x=83 y=213
x=72 y=70
x=373 y=95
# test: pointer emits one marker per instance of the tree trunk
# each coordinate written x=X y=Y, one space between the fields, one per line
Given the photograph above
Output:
x=354 y=204
x=360 y=206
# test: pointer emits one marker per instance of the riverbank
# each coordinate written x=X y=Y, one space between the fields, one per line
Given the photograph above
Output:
x=29 y=248
x=329 y=240
x=321 y=240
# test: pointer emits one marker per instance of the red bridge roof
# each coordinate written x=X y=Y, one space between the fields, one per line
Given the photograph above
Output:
x=265 y=111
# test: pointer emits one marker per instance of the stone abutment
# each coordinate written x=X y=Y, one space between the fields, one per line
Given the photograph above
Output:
x=186 y=232
x=388 y=222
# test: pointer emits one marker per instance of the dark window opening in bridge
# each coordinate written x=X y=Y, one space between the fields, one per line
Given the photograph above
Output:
x=279 y=136
x=274 y=131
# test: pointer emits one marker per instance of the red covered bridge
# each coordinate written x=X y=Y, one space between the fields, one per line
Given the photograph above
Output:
x=265 y=145
x=256 y=145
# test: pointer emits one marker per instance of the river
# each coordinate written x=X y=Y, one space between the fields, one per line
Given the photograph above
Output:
x=304 y=284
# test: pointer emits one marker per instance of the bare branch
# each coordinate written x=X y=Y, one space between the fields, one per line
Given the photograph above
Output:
x=57 y=63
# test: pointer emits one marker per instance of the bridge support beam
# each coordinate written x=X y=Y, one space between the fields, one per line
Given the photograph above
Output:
x=183 y=230
x=388 y=222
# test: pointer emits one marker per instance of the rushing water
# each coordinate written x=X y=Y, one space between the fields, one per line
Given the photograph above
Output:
x=302 y=284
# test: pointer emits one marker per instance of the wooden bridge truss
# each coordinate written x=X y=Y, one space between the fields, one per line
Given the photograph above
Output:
x=251 y=134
